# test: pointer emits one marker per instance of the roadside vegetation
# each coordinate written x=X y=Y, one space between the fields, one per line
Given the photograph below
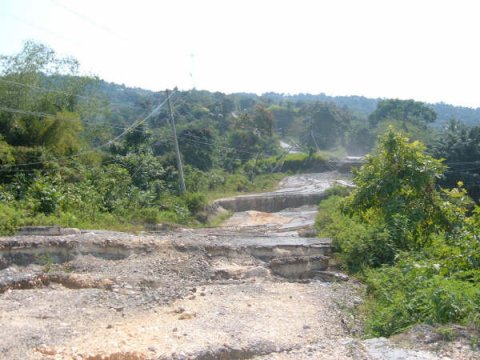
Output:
x=78 y=151
x=415 y=245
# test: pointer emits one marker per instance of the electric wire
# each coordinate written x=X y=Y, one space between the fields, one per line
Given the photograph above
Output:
x=134 y=125
x=40 y=88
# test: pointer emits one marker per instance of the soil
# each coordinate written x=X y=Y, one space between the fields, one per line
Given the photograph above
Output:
x=189 y=294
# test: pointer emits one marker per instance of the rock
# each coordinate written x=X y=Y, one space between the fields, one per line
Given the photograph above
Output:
x=331 y=276
x=46 y=350
x=381 y=348
x=307 y=232
x=187 y=316
x=258 y=271
x=298 y=267
x=47 y=231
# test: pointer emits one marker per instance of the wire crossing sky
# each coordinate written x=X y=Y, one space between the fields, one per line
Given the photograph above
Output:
x=426 y=50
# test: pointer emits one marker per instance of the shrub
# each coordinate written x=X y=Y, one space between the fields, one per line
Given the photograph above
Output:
x=9 y=219
x=338 y=190
x=415 y=246
x=359 y=245
x=194 y=201
x=45 y=194
x=411 y=292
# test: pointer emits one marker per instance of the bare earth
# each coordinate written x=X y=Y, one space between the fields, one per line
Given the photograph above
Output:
x=188 y=294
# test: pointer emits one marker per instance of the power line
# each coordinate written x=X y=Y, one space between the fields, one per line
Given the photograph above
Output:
x=181 y=178
x=48 y=115
x=89 y=20
x=134 y=125
x=41 y=28
x=39 y=88
x=26 y=112
x=462 y=162
x=47 y=171
x=199 y=140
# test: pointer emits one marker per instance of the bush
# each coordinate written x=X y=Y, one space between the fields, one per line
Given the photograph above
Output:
x=45 y=194
x=359 y=245
x=303 y=162
x=236 y=182
x=415 y=246
x=9 y=219
x=413 y=292
x=293 y=163
x=338 y=190
x=194 y=201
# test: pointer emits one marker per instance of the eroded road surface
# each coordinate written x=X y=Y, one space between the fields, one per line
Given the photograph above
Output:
x=251 y=289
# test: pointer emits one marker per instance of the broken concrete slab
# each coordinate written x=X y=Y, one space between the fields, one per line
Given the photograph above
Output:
x=47 y=231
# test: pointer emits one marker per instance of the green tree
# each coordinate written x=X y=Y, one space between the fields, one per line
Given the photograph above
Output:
x=197 y=147
x=325 y=125
x=38 y=90
x=459 y=145
x=403 y=111
x=251 y=135
x=60 y=133
x=398 y=185
x=263 y=120
x=283 y=117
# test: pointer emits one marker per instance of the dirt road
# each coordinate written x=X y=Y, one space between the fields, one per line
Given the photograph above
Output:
x=252 y=289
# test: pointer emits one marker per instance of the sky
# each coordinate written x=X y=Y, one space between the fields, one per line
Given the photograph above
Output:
x=425 y=50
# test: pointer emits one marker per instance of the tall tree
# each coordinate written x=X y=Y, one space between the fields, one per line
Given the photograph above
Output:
x=404 y=111
x=325 y=125
x=197 y=147
x=37 y=87
x=459 y=145
x=398 y=185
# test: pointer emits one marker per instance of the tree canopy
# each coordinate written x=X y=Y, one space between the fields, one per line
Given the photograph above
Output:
x=405 y=111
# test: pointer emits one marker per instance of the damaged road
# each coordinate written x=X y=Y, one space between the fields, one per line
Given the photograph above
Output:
x=185 y=295
x=255 y=288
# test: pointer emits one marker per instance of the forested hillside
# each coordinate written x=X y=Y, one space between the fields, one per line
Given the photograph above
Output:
x=358 y=105
x=79 y=151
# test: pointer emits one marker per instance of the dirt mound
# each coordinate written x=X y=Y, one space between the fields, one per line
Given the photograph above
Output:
x=255 y=218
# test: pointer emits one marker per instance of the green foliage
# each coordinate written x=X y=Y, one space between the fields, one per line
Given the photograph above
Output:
x=45 y=195
x=338 y=190
x=295 y=163
x=251 y=136
x=460 y=147
x=143 y=167
x=415 y=291
x=397 y=185
x=359 y=245
x=31 y=124
x=406 y=111
x=9 y=218
x=6 y=154
x=325 y=125
x=197 y=147
x=61 y=134
x=290 y=163
x=194 y=201
x=416 y=247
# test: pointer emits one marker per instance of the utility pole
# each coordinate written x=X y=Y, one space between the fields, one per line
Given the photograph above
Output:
x=181 y=179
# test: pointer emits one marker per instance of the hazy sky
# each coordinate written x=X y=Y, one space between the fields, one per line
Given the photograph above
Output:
x=422 y=49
